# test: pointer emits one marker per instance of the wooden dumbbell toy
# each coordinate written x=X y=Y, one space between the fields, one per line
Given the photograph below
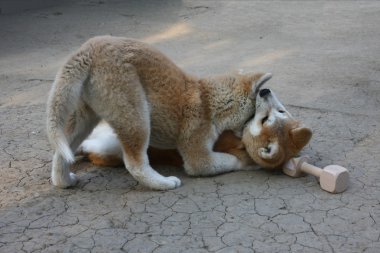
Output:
x=332 y=178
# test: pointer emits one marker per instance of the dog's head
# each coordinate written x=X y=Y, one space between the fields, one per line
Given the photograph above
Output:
x=273 y=136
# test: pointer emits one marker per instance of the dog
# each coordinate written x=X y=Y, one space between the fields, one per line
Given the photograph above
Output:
x=270 y=139
x=147 y=100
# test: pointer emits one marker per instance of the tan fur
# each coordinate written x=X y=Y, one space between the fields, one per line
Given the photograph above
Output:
x=280 y=138
x=286 y=140
x=227 y=143
x=146 y=99
x=273 y=123
x=104 y=160
x=168 y=157
x=292 y=138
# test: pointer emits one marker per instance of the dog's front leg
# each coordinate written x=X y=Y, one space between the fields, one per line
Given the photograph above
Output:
x=203 y=162
x=199 y=158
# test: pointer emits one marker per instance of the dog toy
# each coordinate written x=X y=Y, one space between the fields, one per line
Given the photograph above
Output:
x=332 y=178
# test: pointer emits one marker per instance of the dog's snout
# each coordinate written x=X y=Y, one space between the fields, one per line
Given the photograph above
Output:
x=264 y=92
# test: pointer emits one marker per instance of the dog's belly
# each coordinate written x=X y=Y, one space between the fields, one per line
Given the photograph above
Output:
x=161 y=140
x=161 y=143
x=164 y=129
x=163 y=136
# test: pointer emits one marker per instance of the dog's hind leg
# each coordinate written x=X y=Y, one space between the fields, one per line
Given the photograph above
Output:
x=78 y=127
x=124 y=106
x=133 y=132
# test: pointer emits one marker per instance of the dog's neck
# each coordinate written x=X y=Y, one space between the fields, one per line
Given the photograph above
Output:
x=229 y=104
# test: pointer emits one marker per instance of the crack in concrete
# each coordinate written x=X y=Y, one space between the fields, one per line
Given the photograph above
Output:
x=250 y=211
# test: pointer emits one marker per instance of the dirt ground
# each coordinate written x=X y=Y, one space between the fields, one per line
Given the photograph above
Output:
x=325 y=57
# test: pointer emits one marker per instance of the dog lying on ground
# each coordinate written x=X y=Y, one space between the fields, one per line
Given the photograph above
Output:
x=147 y=100
x=270 y=138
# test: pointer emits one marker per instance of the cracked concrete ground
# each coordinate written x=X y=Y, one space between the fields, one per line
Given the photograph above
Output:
x=326 y=65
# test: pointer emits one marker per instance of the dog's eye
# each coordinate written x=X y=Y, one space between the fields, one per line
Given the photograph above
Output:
x=281 y=111
x=264 y=120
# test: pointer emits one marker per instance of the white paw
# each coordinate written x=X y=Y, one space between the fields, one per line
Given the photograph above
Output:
x=148 y=177
x=73 y=179
x=165 y=183
x=175 y=180
x=67 y=182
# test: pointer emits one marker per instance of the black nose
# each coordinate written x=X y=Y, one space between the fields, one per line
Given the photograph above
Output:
x=264 y=92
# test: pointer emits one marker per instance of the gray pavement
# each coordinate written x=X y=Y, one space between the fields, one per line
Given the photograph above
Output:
x=325 y=56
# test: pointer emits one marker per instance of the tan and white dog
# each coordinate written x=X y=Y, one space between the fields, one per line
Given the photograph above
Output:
x=147 y=100
x=270 y=139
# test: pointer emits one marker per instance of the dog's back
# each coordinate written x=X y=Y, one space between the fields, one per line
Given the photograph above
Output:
x=118 y=61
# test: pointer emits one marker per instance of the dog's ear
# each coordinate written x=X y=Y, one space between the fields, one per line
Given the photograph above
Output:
x=301 y=136
x=258 y=81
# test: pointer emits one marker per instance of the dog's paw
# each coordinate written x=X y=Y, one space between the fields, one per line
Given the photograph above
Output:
x=73 y=179
x=66 y=182
x=175 y=180
x=169 y=183
x=150 y=178
x=165 y=183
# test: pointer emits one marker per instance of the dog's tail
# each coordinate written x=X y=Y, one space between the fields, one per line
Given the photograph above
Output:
x=64 y=98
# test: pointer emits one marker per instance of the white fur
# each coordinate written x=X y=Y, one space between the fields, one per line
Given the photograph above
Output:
x=222 y=162
x=255 y=128
x=102 y=141
x=61 y=176
x=275 y=114
x=147 y=176
x=271 y=119
x=216 y=163
x=64 y=148
x=56 y=122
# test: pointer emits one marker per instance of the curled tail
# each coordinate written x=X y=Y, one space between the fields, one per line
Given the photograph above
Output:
x=64 y=98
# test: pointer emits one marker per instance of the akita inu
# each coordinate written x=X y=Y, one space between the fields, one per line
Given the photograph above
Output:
x=147 y=100
x=270 y=139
